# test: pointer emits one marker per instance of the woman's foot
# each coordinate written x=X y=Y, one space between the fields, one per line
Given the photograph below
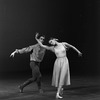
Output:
x=58 y=96
x=61 y=91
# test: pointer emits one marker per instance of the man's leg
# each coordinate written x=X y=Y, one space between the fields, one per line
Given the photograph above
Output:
x=33 y=79
x=29 y=81
x=39 y=84
x=38 y=75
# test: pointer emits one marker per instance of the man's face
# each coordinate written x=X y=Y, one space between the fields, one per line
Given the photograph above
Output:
x=41 y=39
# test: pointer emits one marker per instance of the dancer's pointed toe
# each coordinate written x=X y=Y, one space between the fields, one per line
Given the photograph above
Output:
x=58 y=96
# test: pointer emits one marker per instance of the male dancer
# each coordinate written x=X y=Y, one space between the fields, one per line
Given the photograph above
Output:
x=35 y=58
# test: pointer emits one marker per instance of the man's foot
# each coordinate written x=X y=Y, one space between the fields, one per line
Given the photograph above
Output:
x=40 y=91
x=20 y=89
x=58 y=96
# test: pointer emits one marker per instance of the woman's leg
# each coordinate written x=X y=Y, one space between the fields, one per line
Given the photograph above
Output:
x=59 y=92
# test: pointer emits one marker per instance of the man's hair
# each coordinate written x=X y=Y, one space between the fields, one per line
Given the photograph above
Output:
x=42 y=37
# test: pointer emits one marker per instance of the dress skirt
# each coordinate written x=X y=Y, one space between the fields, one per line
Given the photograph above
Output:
x=61 y=73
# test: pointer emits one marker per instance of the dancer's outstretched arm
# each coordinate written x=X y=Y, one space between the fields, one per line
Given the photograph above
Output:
x=73 y=47
x=13 y=53
x=42 y=45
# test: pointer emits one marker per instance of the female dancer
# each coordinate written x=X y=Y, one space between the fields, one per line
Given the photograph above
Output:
x=61 y=73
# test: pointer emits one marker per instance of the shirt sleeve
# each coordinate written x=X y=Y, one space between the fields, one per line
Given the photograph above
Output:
x=27 y=49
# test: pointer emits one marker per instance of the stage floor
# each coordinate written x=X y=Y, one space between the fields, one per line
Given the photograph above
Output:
x=81 y=88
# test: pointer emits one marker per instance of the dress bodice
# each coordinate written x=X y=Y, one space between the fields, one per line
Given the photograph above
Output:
x=60 y=50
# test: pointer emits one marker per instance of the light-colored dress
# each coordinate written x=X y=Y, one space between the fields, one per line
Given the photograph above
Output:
x=61 y=73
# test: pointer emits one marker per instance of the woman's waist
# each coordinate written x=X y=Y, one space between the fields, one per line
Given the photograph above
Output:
x=61 y=56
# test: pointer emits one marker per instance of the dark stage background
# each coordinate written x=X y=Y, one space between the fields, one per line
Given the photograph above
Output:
x=76 y=22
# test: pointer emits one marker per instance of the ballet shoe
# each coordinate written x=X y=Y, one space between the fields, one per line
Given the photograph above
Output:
x=58 y=96
x=20 y=89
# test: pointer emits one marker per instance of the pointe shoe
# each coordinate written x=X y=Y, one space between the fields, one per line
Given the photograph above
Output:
x=58 y=96
x=20 y=89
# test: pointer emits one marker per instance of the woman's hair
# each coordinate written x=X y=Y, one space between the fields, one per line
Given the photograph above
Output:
x=54 y=39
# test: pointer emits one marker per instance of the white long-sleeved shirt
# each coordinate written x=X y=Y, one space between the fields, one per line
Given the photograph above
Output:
x=37 y=52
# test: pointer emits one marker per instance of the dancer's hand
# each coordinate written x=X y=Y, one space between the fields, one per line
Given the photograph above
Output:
x=80 y=54
x=36 y=36
x=13 y=53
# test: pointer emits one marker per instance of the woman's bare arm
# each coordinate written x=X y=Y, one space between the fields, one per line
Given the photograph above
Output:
x=73 y=47
x=42 y=45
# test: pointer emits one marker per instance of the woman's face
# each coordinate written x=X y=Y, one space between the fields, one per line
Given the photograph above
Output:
x=53 y=42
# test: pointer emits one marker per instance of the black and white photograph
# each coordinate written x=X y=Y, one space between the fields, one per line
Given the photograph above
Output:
x=49 y=50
